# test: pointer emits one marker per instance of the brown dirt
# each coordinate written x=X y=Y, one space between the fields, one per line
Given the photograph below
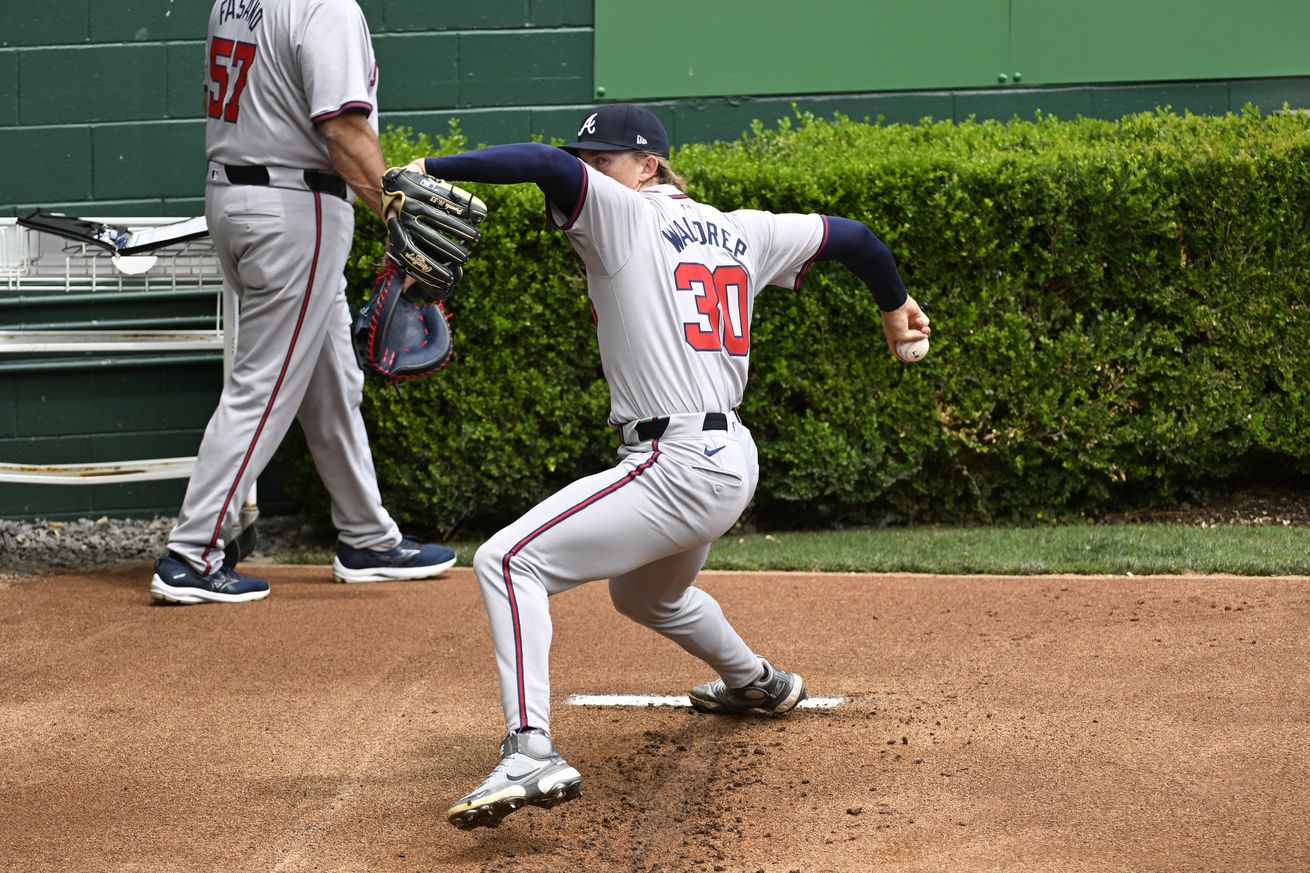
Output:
x=1012 y=723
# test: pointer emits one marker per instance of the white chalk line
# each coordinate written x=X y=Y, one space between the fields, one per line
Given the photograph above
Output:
x=679 y=700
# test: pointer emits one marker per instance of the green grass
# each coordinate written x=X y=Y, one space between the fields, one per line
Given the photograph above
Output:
x=1113 y=549
x=1116 y=549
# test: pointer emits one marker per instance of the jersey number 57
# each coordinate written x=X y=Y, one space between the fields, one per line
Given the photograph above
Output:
x=227 y=59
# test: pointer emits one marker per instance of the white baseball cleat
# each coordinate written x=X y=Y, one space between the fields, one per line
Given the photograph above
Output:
x=530 y=772
x=774 y=692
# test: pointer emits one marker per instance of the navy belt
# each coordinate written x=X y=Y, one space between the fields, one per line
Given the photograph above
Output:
x=653 y=428
x=315 y=180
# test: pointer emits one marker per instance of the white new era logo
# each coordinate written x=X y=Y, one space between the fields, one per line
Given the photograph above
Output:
x=588 y=126
x=641 y=140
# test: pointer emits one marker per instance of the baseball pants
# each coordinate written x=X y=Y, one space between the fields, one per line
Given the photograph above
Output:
x=645 y=524
x=283 y=250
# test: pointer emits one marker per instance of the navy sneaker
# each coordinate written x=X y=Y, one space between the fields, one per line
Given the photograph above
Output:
x=176 y=581
x=409 y=560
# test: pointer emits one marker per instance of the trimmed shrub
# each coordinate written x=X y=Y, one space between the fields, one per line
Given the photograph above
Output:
x=1119 y=312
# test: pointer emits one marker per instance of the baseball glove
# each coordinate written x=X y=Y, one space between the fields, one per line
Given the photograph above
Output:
x=398 y=336
x=432 y=229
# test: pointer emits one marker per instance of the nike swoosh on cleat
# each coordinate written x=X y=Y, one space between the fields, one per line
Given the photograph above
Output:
x=709 y=453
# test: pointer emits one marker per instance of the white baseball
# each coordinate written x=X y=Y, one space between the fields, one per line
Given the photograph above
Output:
x=912 y=350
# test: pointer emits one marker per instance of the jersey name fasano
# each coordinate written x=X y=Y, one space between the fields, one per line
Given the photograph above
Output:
x=673 y=284
x=276 y=67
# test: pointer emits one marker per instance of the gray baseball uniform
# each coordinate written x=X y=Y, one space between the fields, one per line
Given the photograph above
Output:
x=673 y=284
x=283 y=225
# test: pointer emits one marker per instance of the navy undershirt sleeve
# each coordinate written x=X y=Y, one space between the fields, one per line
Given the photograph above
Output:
x=556 y=172
x=856 y=247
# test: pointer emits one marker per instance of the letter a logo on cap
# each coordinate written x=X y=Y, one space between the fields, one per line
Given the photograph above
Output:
x=588 y=126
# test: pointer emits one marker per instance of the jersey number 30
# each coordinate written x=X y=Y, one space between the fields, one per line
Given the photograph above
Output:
x=227 y=58
x=723 y=301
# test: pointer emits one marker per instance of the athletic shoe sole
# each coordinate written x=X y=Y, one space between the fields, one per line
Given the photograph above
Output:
x=488 y=812
x=712 y=705
x=165 y=593
x=342 y=573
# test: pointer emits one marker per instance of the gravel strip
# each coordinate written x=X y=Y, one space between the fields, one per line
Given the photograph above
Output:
x=33 y=547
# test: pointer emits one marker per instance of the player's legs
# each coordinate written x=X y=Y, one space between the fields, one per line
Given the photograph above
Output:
x=334 y=431
x=570 y=538
x=660 y=595
x=593 y=528
x=284 y=253
x=663 y=500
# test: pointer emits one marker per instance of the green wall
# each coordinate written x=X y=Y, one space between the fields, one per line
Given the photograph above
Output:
x=1062 y=41
x=774 y=47
x=109 y=94
x=98 y=412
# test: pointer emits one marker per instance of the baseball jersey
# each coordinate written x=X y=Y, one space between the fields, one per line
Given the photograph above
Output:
x=673 y=285
x=276 y=68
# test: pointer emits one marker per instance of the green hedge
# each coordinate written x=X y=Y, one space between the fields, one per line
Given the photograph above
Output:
x=1120 y=314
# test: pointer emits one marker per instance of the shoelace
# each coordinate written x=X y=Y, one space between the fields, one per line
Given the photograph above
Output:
x=226 y=576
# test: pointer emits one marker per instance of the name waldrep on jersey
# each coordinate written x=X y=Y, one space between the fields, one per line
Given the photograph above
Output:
x=684 y=232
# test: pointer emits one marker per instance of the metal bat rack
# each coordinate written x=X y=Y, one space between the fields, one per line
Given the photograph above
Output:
x=34 y=265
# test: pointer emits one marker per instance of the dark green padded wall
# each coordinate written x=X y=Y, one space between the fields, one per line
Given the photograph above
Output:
x=113 y=413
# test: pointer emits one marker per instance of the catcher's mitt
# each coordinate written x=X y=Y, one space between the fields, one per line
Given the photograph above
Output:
x=432 y=230
x=397 y=336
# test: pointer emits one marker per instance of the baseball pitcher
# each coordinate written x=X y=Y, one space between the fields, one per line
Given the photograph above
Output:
x=673 y=284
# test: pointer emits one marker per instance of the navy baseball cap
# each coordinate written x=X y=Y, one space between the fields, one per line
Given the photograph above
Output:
x=621 y=127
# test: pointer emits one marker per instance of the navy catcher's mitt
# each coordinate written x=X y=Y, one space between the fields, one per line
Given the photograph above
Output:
x=397 y=335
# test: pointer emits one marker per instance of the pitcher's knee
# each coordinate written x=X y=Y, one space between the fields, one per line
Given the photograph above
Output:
x=645 y=612
x=495 y=562
x=489 y=562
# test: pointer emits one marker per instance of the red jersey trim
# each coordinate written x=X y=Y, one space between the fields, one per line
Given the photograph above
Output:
x=353 y=106
x=800 y=277
x=577 y=209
